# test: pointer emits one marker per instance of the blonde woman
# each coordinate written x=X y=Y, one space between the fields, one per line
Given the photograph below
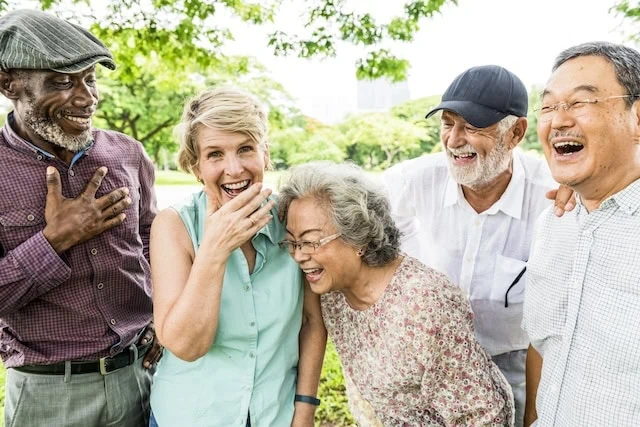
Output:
x=243 y=336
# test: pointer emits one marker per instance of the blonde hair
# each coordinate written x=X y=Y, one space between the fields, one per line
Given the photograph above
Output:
x=227 y=109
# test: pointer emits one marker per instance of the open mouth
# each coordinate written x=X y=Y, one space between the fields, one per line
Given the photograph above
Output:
x=567 y=148
x=313 y=274
x=236 y=188
x=463 y=156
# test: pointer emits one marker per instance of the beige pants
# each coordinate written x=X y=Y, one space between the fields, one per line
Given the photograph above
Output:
x=119 y=399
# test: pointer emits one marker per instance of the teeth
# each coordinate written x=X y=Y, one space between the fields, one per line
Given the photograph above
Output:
x=567 y=144
x=464 y=155
x=310 y=270
x=237 y=185
x=82 y=120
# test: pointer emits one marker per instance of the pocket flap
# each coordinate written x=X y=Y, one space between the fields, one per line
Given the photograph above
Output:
x=22 y=218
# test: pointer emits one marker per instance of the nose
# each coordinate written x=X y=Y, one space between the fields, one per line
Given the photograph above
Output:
x=84 y=96
x=454 y=137
x=562 y=117
x=298 y=256
x=233 y=166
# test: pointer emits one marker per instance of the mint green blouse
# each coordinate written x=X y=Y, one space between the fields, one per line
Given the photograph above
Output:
x=251 y=368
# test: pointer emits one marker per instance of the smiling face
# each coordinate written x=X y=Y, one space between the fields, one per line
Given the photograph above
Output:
x=228 y=162
x=591 y=147
x=334 y=265
x=55 y=108
x=477 y=156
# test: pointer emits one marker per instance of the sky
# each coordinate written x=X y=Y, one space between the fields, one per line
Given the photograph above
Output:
x=523 y=36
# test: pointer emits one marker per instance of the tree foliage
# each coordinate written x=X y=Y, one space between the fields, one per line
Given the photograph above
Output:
x=172 y=30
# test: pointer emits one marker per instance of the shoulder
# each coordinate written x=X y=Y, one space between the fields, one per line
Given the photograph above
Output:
x=424 y=170
x=117 y=143
x=419 y=279
x=536 y=170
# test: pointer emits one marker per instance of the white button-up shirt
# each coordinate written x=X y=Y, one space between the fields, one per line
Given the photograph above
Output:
x=483 y=253
x=582 y=313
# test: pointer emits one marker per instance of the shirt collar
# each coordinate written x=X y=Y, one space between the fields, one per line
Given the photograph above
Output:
x=511 y=202
x=627 y=199
x=18 y=143
x=274 y=230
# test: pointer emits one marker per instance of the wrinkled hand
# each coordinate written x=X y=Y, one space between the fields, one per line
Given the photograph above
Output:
x=238 y=220
x=155 y=352
x=73 y=221
x=565 y=199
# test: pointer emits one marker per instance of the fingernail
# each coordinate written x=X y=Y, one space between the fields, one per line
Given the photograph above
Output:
x=49 y=170
x=129 y=200
x=146 y=364
x=144 y=340
x=126 y=190
x=559 y=211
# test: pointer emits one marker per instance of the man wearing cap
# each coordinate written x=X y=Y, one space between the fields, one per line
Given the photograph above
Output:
x=75 y=213
x=469 y=211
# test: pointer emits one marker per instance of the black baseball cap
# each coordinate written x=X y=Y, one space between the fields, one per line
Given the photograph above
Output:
x=485 y=95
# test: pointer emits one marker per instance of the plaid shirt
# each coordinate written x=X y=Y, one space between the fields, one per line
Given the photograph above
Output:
x=95 y=298
x=582 y=311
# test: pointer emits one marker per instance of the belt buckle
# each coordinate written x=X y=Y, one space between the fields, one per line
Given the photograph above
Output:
x=103 y=366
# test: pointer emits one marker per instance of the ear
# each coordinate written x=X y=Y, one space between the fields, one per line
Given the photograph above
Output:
x=517 y=132
x=10 y=86
x=635 y=111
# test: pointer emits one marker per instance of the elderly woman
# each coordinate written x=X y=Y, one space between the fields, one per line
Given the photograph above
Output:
x=403 y=332
x=240 y=345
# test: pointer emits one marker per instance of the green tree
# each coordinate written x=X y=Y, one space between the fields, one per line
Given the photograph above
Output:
x=173 y=30
x=530 y=141
x=414 y=112
x=376 y=140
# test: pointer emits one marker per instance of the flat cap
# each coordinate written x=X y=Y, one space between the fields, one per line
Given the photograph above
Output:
x=35 y=40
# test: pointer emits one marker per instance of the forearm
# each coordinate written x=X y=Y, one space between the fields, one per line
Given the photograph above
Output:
x=189 y=326
x=533 y=372
x=29 y=271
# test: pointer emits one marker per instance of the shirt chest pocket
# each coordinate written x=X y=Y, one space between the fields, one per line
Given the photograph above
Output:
x=20 y=225
x=509 y=278
x=615 y=330
x=130 y=227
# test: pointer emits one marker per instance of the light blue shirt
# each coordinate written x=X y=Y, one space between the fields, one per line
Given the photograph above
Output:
x=252 y=365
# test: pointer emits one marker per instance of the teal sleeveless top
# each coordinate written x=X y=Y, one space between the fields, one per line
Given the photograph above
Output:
x=251 y=368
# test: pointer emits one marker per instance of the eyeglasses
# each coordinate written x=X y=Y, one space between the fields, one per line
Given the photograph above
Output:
x=546 y=113
x=307 y=247
x=515 y=281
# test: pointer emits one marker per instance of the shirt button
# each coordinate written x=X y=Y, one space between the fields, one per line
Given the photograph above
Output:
x=252 y=355
x=30 y=217
x=71 y=172
x=39 y=157
x=252 y=324
x=247 y=288
x=112 y=321
x=100 y=285
x=94 y=251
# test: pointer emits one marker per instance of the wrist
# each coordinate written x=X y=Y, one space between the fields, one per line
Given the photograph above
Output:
x=311 y=400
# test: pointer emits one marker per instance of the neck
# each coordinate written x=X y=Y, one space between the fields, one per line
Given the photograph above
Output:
x=592 y=195
x=370 y=284
x=482 y=198
x=26 y=133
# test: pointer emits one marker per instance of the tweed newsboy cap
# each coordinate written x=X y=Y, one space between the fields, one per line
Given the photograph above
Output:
x=35 y=40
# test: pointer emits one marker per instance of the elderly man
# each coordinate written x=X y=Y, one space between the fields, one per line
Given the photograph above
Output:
x=582 y=307
x=469 y=211
x=75 y=302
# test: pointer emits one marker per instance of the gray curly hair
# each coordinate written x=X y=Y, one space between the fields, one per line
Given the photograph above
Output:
x=358 y=206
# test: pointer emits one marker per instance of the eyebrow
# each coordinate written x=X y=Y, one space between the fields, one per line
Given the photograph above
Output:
x=581 y=88
x=215 y=147
x=305 y=232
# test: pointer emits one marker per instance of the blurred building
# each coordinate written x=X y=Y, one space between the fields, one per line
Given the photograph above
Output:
x=381 y=94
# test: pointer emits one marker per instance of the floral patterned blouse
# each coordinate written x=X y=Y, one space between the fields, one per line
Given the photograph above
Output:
x=412 y=359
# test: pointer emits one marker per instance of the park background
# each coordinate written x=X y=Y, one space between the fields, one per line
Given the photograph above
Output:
x=344 y=80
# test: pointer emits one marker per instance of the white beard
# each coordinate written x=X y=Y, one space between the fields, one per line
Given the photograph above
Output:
x=485 y=170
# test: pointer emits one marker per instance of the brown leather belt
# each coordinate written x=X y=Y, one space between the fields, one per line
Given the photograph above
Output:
x=104 y=365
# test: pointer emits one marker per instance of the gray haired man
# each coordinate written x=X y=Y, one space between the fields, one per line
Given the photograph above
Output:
x=469 y=211
x=75 y=304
